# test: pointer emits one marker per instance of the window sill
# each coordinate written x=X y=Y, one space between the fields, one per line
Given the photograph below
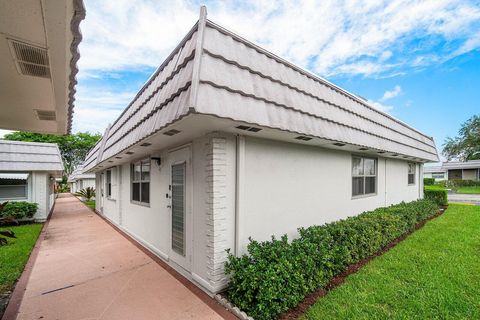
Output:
x=364 y=196
x=112 y=199
x=144 y=204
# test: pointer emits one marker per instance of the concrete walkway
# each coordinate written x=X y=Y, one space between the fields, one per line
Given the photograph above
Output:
x=464 y=198
x=85 y=269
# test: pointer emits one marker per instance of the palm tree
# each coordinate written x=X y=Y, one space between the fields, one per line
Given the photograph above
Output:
x=87 y=193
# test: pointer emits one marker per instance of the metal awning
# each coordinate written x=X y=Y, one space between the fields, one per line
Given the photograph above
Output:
x=14 y=176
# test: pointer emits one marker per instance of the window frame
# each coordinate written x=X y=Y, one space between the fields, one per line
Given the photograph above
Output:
x=409 y=173
x=438 y=176
x=108 y=183
x=24 y=185
x=140 y=181
x=364 y=176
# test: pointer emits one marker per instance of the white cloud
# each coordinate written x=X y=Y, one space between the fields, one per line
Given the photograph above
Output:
x=332 y=37
x=329 y=37
x=391 y=93
x=97 y=108
x=380 y=106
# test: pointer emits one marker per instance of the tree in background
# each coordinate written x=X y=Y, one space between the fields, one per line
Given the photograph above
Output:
x=73 y=147
x=465 y=146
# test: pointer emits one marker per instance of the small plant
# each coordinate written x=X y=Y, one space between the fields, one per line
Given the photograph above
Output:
x=19 y=210
x=428 y=181
x=87 y=193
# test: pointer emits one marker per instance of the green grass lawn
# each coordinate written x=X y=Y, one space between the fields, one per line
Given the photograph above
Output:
x=90 y=203
x=469 y=190
x=14 y=255
x=433 y=274
x=434 y=188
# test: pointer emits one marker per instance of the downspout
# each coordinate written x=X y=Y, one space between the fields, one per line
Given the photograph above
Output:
x=385 y=182
x=239 y=163
x=420 y=180
x=119 y=192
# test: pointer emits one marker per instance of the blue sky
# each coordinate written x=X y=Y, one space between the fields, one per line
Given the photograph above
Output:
x=417 y=60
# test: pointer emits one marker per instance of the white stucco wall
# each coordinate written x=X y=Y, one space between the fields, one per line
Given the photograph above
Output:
x=286 y=186
x=40 y=194
x=281 y=186
x=86 y=183
x=40 y=191
x=213 y=224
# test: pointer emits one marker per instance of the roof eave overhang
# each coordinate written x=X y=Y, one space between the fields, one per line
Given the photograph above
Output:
x=78 y=15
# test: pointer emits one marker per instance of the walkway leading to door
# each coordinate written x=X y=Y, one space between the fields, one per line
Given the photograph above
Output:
x=85 y=269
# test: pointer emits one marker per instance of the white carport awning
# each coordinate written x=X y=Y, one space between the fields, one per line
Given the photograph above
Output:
x=14 y=176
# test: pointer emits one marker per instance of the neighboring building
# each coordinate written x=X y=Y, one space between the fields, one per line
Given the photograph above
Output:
x=27 y=173
x=79 y=180
x=227 y=141
x=435 y=172
x=38 y=55
x=468 y=170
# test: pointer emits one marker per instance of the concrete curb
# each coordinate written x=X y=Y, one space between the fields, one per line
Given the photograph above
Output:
x=233 y=309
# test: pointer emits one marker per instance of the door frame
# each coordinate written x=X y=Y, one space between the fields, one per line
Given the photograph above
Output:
x=185 y=262
x=102 y=191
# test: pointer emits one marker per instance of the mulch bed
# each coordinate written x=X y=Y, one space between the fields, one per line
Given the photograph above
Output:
x=310 y=299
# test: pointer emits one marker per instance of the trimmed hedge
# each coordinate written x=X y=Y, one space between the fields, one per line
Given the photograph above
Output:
x=464 y=183
x=19 y=209
x=457 y=183
x=276 y=275
x=428 y=181
x=439 y=196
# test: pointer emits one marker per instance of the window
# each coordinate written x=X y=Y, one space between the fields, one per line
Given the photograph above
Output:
x=411 y=173
x=13 y=186
x=109 y=183
x=438 y=175
x=364 y=176
x=141 y=181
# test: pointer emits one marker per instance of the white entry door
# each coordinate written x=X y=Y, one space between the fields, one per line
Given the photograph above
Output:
x=180 y=191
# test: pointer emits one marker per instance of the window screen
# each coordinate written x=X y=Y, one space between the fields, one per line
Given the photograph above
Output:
x=109 y=183
x=364 y=176
x=13 y=189
x=411 y=173
x=141 y=181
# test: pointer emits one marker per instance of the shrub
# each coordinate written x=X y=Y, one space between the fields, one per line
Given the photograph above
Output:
x=19 y=209
x=428 y=181
x=276 y=275
x=87 y=193
x=456 y=183
x=438 y=196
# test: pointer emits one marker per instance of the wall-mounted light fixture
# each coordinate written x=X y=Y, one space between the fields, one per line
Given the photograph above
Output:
x=158 y=160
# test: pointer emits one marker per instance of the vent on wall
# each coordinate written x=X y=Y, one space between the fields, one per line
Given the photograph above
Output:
x=30 y=60
x=171 y=132
x=303 y=138
x=247 y=128
x=46 y=114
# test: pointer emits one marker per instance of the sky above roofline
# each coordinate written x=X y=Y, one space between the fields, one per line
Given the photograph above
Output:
x=417 y=60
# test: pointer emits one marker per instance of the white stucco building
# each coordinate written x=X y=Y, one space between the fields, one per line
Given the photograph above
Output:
x=79 y=180
x=436 y=172
x=454 y=170
x=27 y=173
x=228 y=141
